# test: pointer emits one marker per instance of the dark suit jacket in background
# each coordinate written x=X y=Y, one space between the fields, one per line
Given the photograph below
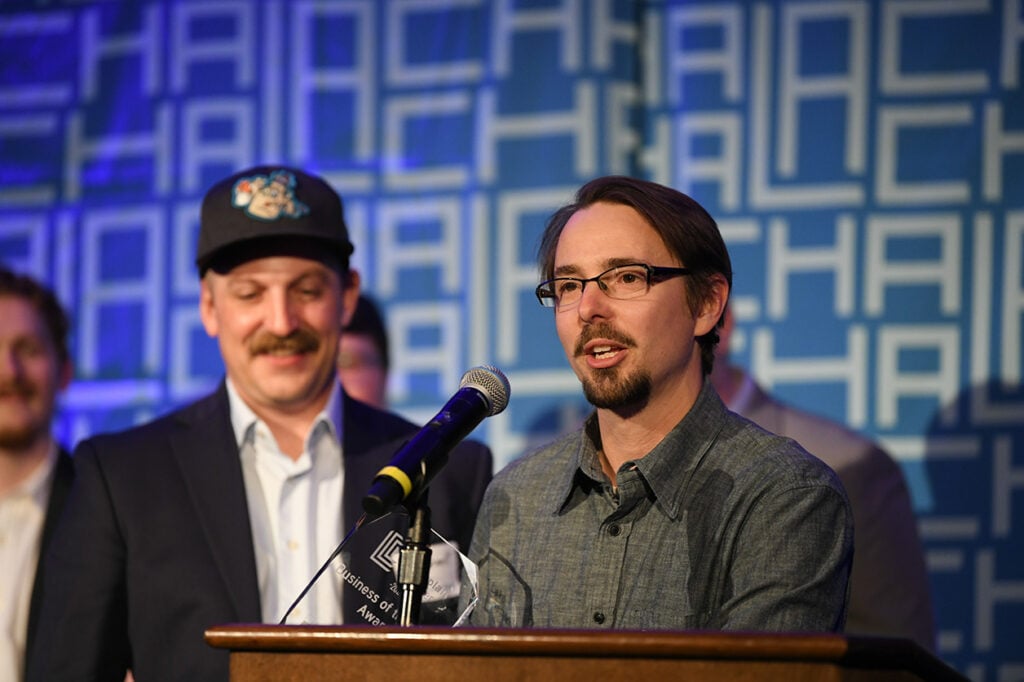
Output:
x=63 y=475
x=889 y=591
x=155 y=545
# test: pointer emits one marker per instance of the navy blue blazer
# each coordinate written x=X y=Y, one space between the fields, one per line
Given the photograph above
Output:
x=155 y=545
x=63 y=475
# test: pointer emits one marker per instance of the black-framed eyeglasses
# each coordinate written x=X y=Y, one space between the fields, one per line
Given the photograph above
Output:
x=621 y=282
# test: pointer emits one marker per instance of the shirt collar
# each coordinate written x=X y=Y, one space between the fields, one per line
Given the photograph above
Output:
x=667 y=467
x=244 y=420
x=37 y=485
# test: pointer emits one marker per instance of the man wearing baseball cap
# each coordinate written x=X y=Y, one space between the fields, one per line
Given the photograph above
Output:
x=223 y=511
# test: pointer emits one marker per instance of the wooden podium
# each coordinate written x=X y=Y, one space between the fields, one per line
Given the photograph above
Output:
x=269 y=653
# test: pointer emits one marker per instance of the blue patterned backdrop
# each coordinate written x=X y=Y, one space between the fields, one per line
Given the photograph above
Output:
x=865 y=159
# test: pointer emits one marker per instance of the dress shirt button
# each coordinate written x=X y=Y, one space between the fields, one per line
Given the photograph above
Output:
x=598 y=617
x=614 y=530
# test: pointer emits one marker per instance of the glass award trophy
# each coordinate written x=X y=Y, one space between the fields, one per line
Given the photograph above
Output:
x=371 y=571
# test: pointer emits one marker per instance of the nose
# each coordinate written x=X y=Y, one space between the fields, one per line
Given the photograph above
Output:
x=593 y=302
x=282 y=318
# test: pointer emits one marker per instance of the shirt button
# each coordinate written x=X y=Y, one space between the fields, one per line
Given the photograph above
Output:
x=614 y=530
x=598 y=617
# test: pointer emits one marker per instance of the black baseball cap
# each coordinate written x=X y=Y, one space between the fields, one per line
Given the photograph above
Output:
x=271 y=210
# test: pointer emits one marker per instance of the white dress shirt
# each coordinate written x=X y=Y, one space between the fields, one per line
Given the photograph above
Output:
x=22 y=512
x=294 y=511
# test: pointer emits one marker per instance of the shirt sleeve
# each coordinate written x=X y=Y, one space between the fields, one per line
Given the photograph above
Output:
x=791 y=562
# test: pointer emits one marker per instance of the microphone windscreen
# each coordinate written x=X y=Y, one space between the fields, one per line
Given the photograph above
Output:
x=492 y=383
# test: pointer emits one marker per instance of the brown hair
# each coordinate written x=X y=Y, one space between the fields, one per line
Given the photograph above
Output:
x=45 y=303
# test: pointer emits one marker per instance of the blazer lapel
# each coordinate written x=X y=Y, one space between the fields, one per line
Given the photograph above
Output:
x=371 y=437
x=63 y=477
x=207 y=454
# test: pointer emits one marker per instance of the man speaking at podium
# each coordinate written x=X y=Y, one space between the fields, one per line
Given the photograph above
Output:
x=224 y=510
x=665 y=510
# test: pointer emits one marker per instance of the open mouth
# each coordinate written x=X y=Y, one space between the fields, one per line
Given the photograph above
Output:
x=604 y=352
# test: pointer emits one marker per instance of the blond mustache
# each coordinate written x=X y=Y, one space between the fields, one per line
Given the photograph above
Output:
x=299 y=341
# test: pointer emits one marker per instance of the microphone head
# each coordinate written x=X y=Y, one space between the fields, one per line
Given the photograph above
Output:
x=491 y=383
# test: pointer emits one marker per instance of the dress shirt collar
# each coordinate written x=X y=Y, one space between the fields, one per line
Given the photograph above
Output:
x=666 y=468
x=37 y=485
x=244 y=420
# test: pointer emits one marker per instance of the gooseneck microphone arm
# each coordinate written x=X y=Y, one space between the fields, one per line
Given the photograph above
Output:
x=414 y=561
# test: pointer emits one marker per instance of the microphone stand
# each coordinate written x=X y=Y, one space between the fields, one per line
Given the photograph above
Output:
x=414 y=561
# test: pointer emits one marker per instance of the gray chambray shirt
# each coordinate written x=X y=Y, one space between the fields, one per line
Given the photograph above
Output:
x=722 y=526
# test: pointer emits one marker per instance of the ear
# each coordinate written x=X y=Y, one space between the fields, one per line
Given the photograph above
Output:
x=713 y=307
x=349 y=296
x=207 y=309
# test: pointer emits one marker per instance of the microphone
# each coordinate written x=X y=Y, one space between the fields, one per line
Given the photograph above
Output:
x=483 y=392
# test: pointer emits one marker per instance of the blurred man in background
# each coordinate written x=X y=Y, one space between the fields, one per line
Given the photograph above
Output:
x=363 y=356
x=889 y=592
x=35 y=471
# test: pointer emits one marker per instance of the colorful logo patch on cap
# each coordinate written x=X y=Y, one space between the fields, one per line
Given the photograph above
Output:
x=268 y=197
